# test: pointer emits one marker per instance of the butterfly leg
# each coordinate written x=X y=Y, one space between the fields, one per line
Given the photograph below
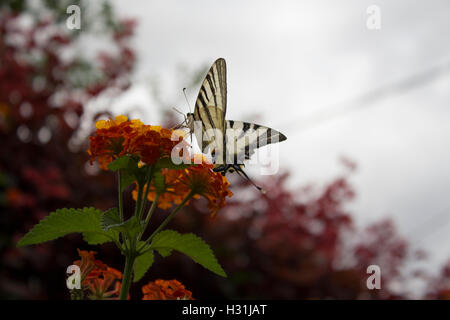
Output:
x=241 y=172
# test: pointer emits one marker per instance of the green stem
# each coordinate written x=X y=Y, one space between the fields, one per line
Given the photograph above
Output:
x=139 y=199
x=170 y=216
x=127 y=275
x=119 y=175
x=145 y=193
x=124 y=239
x=149 y=214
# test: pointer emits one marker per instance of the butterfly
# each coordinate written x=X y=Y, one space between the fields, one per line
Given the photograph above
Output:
x=230 y=142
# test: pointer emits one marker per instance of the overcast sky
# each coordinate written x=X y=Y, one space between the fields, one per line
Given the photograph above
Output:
x=293 y=65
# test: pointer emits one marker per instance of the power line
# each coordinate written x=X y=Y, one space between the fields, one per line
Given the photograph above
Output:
x=424 y=230
x=437 y=221
x=366 y=99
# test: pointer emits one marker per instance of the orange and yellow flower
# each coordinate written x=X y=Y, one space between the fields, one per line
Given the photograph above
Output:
x=104 y=284
x=174 y=192
x=199 y=179
x=203 y=181
x=88 y=264
x=99 y=280
x=166 y=290
x=118 y=137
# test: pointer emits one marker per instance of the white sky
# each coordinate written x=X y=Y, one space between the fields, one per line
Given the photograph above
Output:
x=289 y=61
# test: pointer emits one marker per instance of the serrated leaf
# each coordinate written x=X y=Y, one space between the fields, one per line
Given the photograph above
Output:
x=189 y=244
x=142 y=264
x=96 y=238
x=164 y=252
x=65 y=221
x=110 y=218
x=111 y=221
x=133 y=226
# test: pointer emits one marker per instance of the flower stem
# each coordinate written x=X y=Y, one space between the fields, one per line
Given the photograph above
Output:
x=124 y=238
x=171 y=215
x=127 y=275
x=139 y=199
x=119 y=175
x=150 y=212
x=146 y=191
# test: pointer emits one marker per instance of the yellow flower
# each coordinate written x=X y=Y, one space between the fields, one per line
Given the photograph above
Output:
x=106 y=124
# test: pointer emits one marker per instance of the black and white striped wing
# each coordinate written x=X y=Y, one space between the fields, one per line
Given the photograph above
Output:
x=211 y=105
x=243 y=138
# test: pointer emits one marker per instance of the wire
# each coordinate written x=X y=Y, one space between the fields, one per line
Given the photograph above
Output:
x=366 y=99
x=431 y=225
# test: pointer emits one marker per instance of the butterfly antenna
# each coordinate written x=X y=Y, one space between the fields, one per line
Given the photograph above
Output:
x=178 y=111
x=243 y=174
x=184 y=121
x=187 y=100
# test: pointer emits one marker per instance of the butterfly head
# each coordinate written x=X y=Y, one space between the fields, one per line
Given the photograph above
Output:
x=190 y=120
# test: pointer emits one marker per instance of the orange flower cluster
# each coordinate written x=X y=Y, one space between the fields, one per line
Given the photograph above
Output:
x=213 y=186
x=199 y=179
x=119 y=137
x=166 y=290
x=102 y=282
x=88 y=264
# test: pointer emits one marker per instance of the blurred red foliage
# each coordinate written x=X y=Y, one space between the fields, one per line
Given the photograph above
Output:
x=298 y=245
x=43 y=94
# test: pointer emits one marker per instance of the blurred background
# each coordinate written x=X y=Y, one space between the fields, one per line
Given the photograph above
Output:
x=364 y=174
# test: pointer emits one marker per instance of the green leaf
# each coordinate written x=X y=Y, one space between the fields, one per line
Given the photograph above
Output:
x=164 y=252
x=142 y=264
x=97 y=238
x=111 y=222
x=133 y=226
x=126 y=178
x=190 y=245
x=124 y=162
x=167 y=163
x=130 y=170
x=65 y=221
x=110 y=218
x=159 y=182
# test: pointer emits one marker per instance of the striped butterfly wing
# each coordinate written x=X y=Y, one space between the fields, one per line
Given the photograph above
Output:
x=211 y=106
x=243 y=138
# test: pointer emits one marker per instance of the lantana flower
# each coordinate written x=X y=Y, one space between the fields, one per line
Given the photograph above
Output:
x=203 y=181
x=88 y=264
x=118 y=137
x=166 y=290
x=198 y=180
x=105 y=285
x=100 y=281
